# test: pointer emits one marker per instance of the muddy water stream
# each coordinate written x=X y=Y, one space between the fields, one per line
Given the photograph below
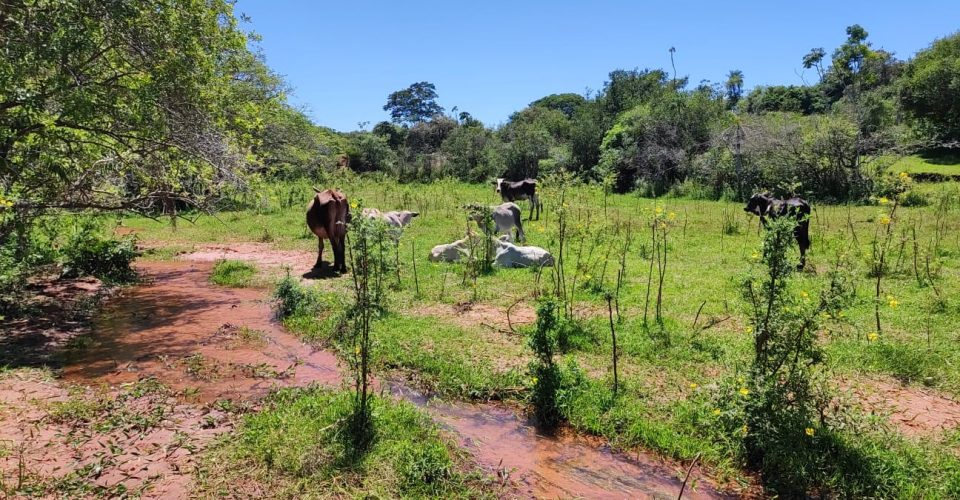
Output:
x=213 y=342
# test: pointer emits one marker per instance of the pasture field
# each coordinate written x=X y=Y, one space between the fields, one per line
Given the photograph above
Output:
x=451 y=335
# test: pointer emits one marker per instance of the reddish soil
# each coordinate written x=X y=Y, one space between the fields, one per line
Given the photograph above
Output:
x=190 y=335
x=914 y=411
x=470 y=314
x=63 y=456
x=261 y=254
x=62 y=308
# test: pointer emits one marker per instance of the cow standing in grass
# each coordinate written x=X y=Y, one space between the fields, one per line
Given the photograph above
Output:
x=520 y=190
x=764 y=205
x=327 y=216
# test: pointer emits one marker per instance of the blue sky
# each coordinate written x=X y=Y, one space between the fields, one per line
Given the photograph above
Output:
x=492 y=58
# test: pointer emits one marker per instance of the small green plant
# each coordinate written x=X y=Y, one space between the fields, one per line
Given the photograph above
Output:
x=544 y=372
x=781 y=398
x=233 y=273
x=369 y=246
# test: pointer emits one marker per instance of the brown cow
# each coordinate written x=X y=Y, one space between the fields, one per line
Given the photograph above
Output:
x=327 y=217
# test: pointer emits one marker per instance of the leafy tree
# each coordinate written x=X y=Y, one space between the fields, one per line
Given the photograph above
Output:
x=114 y=105
x=473 y=154
x=734 y=87
x=568 y=104
x=814 y=59
x=788 y=99
x=930 y=89
x=414 y=104
x=395 y=136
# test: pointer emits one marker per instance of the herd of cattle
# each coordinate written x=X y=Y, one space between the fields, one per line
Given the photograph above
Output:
x=328 y=215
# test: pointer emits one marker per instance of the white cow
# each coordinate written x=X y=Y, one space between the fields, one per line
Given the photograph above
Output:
x=506 y=216
x=510 y=255
x=450 y=252
x=397 y=219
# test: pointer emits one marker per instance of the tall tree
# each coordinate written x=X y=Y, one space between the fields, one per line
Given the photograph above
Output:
x=734 y=86
x=814 y=59
x=414 y=104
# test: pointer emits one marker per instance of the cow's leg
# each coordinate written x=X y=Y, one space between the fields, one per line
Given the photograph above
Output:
x=522 y=238
x=319 y=263
x=343 y=255
x=536 y=203
x=337 y=255
x=803 y=241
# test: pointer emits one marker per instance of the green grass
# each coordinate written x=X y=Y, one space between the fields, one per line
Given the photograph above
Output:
x=710 y=247
x=297 y=447
x=944 y=165
x=233 y=273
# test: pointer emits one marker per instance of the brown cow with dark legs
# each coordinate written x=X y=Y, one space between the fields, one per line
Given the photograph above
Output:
x=327 y=217
x=765 y=205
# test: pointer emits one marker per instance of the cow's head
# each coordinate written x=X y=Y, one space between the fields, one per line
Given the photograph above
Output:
x=497 y=183
x=405 y=216
x=758 y=204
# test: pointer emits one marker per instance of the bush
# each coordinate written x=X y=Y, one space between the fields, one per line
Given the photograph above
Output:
x=293 y=299
x=87 y=252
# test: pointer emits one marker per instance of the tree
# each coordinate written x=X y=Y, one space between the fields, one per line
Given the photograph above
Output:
x=414 y=104
x=568 y=103
x=814 y=59
x=930 y=89
x=114 y=105
x=734 y=88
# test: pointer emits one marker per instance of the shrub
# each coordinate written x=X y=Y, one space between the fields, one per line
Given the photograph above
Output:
x=293 y=299
x=87 y=252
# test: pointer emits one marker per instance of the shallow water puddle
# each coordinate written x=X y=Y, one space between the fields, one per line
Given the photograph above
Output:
x=561 y=466
x=196 y=337
x=211 y=342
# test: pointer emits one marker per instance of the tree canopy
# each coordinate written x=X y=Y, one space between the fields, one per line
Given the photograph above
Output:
x=414 y=104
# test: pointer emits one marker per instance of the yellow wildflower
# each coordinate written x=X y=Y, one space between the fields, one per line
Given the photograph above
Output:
x=588 y=277
x=883 y=200
x=748 y=329
x=354 y=205
x=717 y=412
x=534 y=380
x=659 y=210
x=804 y=294
x=744 y=391
x=904 y=176
x=672 y=215
x=884 y=220
x=892 y=301
x=755 y=256
x=810 y=432
x=357 y=350
x=693 y=385
x=744 y=430
x=872 y=336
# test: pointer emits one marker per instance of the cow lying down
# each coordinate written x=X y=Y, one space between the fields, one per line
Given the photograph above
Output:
x=510 y=255
x=507 y=254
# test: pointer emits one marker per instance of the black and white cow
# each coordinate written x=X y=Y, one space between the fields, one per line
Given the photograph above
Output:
x=765 y=205
x=520 y=190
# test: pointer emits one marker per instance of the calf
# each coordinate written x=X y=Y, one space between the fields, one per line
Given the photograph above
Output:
x=510 y=255
x=327 y=216
x=520 y=190
x=764 y=205
x=506 y=216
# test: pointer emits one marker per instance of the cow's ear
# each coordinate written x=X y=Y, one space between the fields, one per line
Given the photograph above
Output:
x=414 y=214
